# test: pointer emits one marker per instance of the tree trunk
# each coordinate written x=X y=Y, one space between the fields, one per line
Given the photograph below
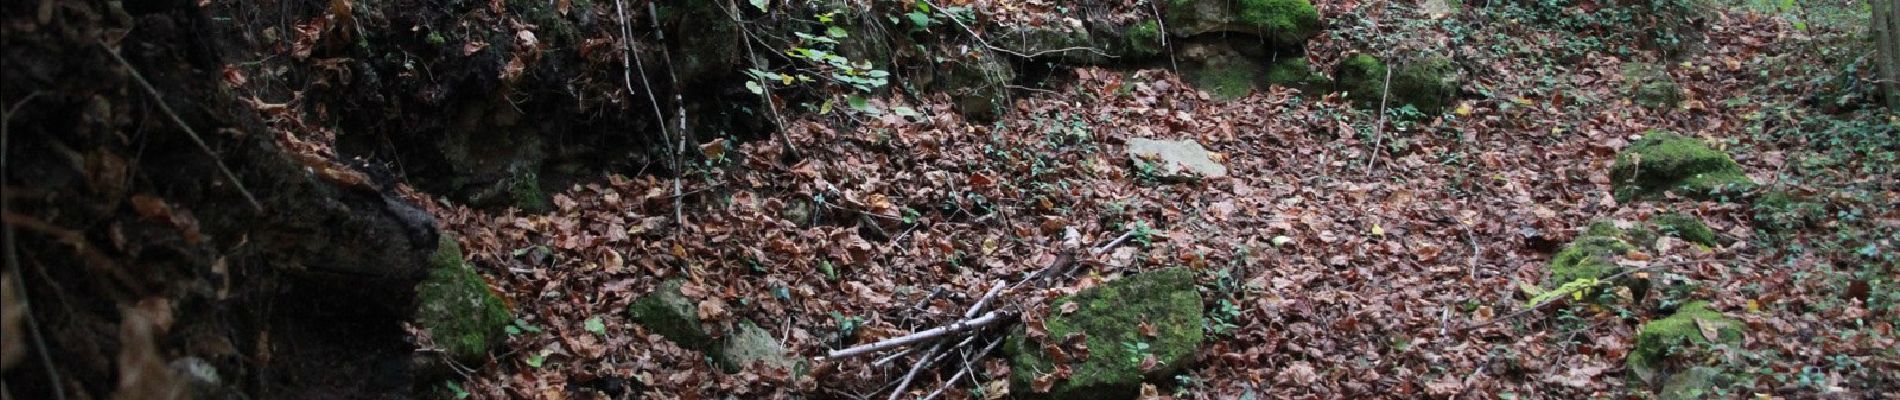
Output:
x=1886 y=31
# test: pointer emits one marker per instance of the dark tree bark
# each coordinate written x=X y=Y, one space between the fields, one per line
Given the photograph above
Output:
x=1886 y=31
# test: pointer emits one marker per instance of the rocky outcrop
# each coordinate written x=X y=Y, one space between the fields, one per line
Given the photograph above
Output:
x=462 y=315
x=1426 y=84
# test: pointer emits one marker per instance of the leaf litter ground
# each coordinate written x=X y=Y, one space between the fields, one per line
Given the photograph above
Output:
x=1351 y=274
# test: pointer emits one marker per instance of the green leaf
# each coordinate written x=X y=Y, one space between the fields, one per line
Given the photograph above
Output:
x=535 y=360
x=904 y=111
x=858 y=102
x=761 y=4
x=456 y=390
x=754 y=87
x=837 y=32
x=920 y=19
x=595 y=325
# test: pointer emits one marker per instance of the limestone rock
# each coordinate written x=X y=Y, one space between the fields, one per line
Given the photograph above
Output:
x=1665 y=162
x=457 y=308
x=1174 y=159
x=1109 y=319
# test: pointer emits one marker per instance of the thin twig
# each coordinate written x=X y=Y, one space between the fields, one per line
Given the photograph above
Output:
x=160 y=99
x=13 y=258
x=1378 y=130
x=986 y=319
x=966 y=370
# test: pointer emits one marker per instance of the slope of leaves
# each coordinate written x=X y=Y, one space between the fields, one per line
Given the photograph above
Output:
x=1337 y=269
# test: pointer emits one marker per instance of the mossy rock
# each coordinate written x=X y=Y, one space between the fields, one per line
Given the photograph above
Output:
x=1664 y=343
x=1702 y=382
x=1591 y=256
x=670 y=314
x=1227 y=78
x=751 y=344
x=1666 y=162
x=456 y=307
x=1427 y=84
x=1284 y=23
x=1685 y=227
x=1294 y=72
x=1144 y=39
x=1109 y=317
x=1651 y=86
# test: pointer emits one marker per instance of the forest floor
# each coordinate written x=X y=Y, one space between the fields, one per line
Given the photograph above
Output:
x=1341 y=258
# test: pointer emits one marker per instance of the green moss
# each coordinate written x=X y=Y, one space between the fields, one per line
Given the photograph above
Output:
x=1589 y=256
x=670 y=314
x=1668 y=162
x=1227 y=81
x=456 y=306
x=1294 y=72
x=1108 y=316
x=1686 y=227
x=1144 y=39
x=1426 y=84
x=524 y=188
x=1286 y=23
x=1680 y=334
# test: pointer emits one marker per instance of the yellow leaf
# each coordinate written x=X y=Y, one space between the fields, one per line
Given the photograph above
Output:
x=1464 y=110
x=1377 y=231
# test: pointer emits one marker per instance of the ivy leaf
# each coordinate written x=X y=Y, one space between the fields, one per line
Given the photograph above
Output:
x=920 y=19
x=904 y=111
x=595 y=325
x=837 y=32
x=761 y=4
x=754 y=87
x=858 y=103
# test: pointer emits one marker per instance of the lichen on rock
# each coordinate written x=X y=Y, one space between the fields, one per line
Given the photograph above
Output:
x=1666 y=162
x=456 y=307
x=1109 y=318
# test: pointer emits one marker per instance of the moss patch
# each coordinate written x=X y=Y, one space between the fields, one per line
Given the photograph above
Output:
x=1227 y=80
x=1673 y=339
x=1427 y=84
x=1686 y=227
x=1590 y=256
x=669 y=313
x=1285 y=23
x=524 y=189
x=1108 y=316
x=456 y=307
x=1144 y=39
x=1294 y=72
x=1666 y=162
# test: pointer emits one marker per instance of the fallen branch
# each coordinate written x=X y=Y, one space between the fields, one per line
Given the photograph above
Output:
x=167 y=108
x=962 y=372
x=986 y=319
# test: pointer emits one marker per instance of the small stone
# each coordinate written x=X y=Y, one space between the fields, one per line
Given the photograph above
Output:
x=752 y=344
x=1174 y=159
